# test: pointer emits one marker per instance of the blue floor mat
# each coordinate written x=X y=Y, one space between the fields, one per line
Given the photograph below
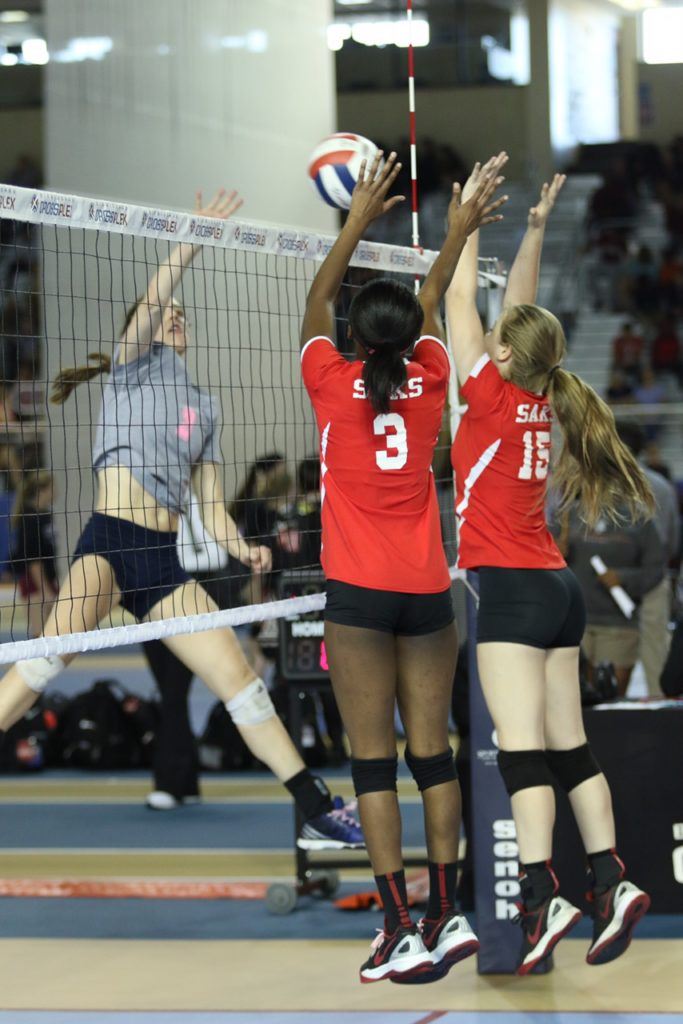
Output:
x=221 y=919
x=132 y=826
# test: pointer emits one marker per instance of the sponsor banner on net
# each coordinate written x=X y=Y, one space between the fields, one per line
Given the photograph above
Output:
x=107 y=215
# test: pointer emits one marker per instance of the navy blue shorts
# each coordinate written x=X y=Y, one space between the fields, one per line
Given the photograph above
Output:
x=388 y=611
x=145 y=562
x=541 y=608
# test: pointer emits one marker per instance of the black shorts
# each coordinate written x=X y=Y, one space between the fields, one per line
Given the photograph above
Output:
x=388 y=610
x=145 y=562
x=537 y=607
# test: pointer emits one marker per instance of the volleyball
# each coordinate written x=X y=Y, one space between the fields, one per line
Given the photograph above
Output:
x=334 y=166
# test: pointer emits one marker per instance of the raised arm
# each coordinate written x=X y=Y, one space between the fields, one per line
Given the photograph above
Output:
x=207 y=486
x=367 y=203
x=465 y=332
x=464 y=219
x=522 y=285
x=140 y=331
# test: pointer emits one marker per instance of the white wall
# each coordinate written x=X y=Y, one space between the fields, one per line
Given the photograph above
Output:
x=192 y=93
x=660 y=92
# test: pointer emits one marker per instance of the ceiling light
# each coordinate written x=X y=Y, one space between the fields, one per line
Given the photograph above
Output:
x=14 y=17
x=34 y=51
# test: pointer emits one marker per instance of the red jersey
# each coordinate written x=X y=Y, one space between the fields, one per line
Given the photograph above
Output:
x=501 y=457
x=380 y=516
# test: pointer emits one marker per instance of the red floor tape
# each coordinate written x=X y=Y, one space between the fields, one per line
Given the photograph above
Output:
x=75 y=888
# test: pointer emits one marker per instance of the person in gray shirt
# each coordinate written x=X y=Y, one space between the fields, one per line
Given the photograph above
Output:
x=634 y=556
x=157 y=438
x=655 y=609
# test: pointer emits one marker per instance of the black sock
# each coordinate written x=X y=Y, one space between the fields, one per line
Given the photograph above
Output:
x=392 y=891
x=538 y=883
x=607 y=870
x=310 y=794
x=442 y=882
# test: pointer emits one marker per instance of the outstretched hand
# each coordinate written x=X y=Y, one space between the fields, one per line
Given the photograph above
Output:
x=222 y=206
x=539 y=214
x=368 y=200
x=480 y=208
x=492 y=167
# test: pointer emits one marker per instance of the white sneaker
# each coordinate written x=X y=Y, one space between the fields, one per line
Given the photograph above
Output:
x=401 y=955
x=449 y=940
x=157 y=800
x=615 y=915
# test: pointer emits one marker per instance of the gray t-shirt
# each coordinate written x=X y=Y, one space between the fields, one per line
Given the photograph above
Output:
x=158 y=424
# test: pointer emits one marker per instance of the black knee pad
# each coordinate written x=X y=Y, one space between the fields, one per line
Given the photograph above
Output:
x=572 y=767
x=374 y=775
x=524 y=769
x=432 y=771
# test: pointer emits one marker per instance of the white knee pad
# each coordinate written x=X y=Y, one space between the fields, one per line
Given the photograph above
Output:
x=37 y=672
x=252 y=705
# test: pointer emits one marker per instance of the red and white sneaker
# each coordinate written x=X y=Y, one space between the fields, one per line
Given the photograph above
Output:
x=449 y=939
x=401 y=955
x=615 y=915
x=542 y=930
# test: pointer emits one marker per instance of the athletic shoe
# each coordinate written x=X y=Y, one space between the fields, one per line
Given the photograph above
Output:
x=449 y=939
x=159 y=800
x=337 y=830
x=400 y=955
x=542 y=929
x=615 y=915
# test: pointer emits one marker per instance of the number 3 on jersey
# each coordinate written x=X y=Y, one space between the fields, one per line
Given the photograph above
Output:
x=535 y=443
x=396 y=441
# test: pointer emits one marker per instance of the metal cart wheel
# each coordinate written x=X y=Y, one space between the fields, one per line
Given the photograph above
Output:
x=329 y=882
x=281 y=898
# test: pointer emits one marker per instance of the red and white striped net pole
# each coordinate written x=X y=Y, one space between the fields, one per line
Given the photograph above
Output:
x=413 y=135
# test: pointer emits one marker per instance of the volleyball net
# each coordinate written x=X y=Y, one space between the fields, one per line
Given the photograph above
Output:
x=71 y=269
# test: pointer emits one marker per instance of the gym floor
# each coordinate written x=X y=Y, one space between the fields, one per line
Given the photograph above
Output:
x=203 y=960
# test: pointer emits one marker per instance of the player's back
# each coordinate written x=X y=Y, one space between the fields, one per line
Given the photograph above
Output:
x=380 y=515
x=501 y=458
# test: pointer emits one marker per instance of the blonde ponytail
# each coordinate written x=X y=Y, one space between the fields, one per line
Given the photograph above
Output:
x=67 y=380
x=593 y=467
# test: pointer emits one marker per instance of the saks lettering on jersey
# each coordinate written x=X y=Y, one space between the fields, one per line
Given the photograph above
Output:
x=533 y=413
x=415 y=389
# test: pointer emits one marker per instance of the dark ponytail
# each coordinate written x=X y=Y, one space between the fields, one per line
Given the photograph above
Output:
x=385 y=319
x=384 y=372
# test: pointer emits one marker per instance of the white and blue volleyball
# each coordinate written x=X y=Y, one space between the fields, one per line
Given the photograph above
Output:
x=335 y=165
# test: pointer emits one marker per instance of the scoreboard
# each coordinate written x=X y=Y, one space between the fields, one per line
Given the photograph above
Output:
x=302 y=643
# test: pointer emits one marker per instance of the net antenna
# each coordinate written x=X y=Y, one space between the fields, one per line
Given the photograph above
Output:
x=415 y=216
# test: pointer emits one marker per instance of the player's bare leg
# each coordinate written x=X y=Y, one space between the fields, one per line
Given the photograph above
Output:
x=618 y=904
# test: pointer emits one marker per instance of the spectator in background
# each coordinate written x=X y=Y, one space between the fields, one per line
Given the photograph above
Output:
x=619 y=389
x=665 y=353
x=650 y=391
x=627 y=353
x=642 y=284
x=298 y=531
x=671 y=278
x=261 y=498
x=655 y=608
x=672 y=674
x=614 y=201
x=634 y=556
x=33 y=553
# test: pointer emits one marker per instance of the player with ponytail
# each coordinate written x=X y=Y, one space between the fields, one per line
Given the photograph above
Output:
x=531 y=610
x=389 y=624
